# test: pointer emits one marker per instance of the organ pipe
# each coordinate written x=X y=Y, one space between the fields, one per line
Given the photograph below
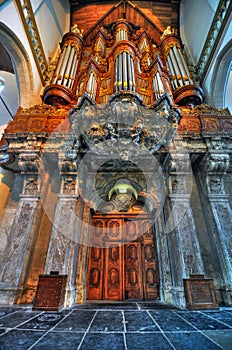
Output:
x=68 y=67
x=125 y=82
x=175 y=68
x=116 y=75
x=172 y=71
x=57 y=71
x=120 y=72
x=64 y=64
x=185 y=65
x=73 y=71
x=124 y=77
x=133 y=74
x=130 y=85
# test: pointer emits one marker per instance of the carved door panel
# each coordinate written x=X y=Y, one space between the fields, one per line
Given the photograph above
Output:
x=133 y=272
x=113 y=281
x=122 y=263
x=149 y=260
x=94 y=285
x=113 y=286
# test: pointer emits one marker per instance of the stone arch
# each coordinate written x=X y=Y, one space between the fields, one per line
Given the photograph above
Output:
x=220 y=76
x=21 y=64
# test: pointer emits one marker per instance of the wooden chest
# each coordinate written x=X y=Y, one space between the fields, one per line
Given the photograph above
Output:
x=50 y=293
x=200 y=293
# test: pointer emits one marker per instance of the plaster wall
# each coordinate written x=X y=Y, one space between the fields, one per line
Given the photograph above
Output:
x=10 y=17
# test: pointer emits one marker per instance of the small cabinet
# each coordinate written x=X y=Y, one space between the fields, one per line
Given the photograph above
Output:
x=50 y=293
x=200 y=293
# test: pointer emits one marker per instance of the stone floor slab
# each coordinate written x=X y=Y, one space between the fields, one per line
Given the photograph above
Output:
x=103 y=341
x=19 y=340
x=59 y=341
x=147 y=341
x=222 y=337
x=108 y=321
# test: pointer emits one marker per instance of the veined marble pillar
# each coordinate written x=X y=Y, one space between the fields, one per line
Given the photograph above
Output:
x=23 y=231
x=184 y=247
x=214 y=166
x=63 y=242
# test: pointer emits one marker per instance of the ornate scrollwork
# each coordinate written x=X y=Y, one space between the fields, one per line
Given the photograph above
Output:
x=124 y=118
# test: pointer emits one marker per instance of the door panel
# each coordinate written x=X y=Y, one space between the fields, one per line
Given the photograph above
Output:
x=113 y=272
x=122 y=262
x=132 y=264
x=149 y=260
x=94 y=285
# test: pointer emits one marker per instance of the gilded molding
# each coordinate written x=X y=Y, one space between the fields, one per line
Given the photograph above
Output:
x=219 y=22
x=29 y=23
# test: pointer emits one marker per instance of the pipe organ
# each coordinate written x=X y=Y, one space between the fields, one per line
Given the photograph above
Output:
x=123 y=58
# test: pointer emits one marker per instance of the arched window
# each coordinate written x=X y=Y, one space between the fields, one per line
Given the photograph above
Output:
x=221 y=82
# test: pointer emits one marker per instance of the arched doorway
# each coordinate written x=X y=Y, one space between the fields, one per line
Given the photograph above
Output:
x=122 y=257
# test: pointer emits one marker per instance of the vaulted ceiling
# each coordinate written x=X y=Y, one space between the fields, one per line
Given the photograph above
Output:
x=153 y=16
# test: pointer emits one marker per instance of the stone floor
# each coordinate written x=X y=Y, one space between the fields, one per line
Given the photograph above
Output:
x=137 y=326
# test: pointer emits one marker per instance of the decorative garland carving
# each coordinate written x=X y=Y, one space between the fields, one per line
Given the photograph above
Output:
x=124 y=118
x=207 y=109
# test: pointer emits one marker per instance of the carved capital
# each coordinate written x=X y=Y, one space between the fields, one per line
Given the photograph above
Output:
x=29 y=162
x=31 y=186
x=179 y=163
x=67 y=165
x=215 y=163
x=215 y=185
x=69 y=185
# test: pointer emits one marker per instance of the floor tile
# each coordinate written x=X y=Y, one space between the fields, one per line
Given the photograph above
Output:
x=223 y=316
x=147 y=341
x=19 y=340
x=77 y=321
x=45 y=321
x=59 y=341
x=108 y=321
x=191 y=341
x=201 y=321
x=16 y=318
x=222 y=337
x=139 y=321
x=103 y=341
x=6 y=311
x=169 y=321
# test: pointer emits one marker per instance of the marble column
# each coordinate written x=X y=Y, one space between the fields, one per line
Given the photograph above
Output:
x=213 y=169
x=23 y=231
x=63 y=242
x=184 y=249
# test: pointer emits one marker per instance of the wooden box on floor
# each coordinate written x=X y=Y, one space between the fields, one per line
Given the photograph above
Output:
x=200 y=293
x=50 y=293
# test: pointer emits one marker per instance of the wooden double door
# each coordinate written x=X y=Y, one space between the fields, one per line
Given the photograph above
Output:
x=122 y=260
